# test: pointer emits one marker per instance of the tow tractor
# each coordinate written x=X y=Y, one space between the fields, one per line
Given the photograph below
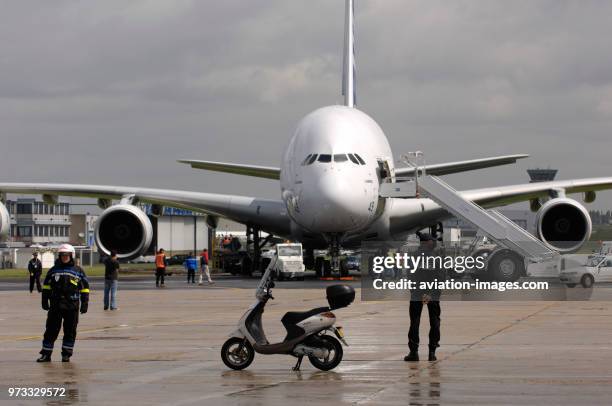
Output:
x=290 y=262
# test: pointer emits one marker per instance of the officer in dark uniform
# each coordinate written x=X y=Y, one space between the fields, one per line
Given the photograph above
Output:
x=35 y=270
x=429 y=297
x=64 y=287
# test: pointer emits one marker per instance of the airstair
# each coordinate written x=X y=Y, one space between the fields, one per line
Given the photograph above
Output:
x=500 y=228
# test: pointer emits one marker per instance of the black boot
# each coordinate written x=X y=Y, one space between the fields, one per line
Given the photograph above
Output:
x=65 y=358
x=44 y=358
x=432 y=356
x=412 y=356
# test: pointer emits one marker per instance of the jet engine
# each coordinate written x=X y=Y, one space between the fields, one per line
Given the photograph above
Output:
x=563 y=224
x=5 y=222
x=125 y=229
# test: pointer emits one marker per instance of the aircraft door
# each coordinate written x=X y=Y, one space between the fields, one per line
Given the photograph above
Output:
x=385 y=172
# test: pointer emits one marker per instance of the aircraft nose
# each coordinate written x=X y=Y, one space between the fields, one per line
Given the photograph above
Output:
x=342 y=204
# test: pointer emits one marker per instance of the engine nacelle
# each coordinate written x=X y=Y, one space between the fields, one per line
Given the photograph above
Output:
x=125 y=229
x=563 y=224
x=5 y=222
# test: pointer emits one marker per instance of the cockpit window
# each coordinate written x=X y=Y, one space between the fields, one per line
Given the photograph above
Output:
x=306 y=159
x=325 y=158
x=340 y=158
x=361 y=161
x=353 y=159
x=312 y=159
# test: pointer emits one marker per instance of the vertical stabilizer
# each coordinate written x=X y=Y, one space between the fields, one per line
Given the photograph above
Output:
x=348 y=69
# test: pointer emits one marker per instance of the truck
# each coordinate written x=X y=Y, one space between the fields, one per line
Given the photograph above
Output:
x=290 y=263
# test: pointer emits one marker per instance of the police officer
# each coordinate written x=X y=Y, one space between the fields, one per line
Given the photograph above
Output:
x=35 y=270
x=428 y=297
x=64 y=287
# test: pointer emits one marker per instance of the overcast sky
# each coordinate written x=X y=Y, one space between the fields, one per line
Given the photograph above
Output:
x=115 y=91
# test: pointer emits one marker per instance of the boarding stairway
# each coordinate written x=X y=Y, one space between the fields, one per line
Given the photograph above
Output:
x=499 y=227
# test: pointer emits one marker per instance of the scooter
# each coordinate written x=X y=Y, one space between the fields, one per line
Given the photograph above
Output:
x=307 y=332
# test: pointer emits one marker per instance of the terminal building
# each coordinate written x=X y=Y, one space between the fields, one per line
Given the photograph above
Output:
x=36 y=222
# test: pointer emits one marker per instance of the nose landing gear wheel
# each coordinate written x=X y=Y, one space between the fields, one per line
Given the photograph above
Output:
x=237 y=353
x=333 y=358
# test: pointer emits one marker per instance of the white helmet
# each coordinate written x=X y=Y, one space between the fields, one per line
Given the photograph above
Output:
x=66 y=248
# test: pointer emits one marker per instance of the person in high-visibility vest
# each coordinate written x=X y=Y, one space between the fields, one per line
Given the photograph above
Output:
x=160 y=268
x=64 y=287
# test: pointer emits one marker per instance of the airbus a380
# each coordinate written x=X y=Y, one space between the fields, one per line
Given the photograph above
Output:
x=330 y=178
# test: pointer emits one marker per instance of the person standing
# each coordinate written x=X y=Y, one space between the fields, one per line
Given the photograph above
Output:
x=428 y=297
x=111 y=276
x=35 y=270
x=204 y=267
x=191 y=264
x=65 y=293
x=161 y=262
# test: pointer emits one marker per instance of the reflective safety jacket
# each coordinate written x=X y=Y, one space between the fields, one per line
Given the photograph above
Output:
x=160 y=260
x=65 y=285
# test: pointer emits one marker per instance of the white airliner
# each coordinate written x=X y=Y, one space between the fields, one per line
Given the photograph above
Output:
x=330 y=176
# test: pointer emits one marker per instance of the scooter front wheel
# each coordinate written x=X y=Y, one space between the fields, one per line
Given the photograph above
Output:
x=333 y=358
x=237 y=353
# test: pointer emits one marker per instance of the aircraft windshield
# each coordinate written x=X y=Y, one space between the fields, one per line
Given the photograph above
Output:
x=290 y=251
x=327 y=158
x=305 y=161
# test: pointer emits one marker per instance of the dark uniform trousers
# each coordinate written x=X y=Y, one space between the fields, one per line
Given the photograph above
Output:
x=190 y=275
x=416 y=308
x=160 y=273
x=35 y=278
x=55 y=317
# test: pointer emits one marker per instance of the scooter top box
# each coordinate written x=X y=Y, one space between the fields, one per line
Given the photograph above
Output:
x=340 y=296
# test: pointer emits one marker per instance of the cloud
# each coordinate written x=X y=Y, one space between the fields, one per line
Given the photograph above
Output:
x=119 y=90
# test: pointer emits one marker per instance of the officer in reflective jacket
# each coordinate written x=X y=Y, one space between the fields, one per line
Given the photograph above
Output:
x=65 y=286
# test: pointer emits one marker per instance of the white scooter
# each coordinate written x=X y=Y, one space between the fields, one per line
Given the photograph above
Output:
x=306 y=331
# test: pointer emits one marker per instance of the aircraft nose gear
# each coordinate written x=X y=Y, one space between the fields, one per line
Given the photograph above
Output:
x=334 y=252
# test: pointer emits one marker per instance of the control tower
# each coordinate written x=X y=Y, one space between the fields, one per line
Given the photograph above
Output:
x=541 y=175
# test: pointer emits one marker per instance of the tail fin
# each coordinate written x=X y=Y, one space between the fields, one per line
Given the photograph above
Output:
x=348 y=70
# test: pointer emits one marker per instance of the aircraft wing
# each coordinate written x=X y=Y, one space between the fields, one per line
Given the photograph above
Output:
x=239 y=169
x=269 y=214
x=436 y=169
x=504 y=195
x=462 y=166
x=404 y=218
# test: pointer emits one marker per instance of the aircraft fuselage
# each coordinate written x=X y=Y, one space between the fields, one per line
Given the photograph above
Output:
x=330 y=173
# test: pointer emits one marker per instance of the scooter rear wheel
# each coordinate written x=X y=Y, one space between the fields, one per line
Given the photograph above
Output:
x=334 y=357
x=237 y=353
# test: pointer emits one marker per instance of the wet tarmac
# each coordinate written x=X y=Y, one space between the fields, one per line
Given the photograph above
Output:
x=162 y=347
